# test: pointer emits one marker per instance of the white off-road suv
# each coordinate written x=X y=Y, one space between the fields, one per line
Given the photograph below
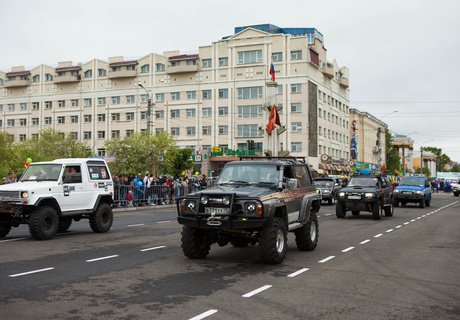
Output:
x=49 y=195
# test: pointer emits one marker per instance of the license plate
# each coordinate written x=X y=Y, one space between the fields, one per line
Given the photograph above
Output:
x=211 y=210
x=407 y=192
x=354 y=197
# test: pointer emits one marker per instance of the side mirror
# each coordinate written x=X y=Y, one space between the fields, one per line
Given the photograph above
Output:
x=292 y=184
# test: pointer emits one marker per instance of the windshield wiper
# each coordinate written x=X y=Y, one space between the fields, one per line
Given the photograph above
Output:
x=233 y=182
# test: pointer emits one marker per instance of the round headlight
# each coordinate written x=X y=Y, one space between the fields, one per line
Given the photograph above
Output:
x=24 y=194
x=204 y=199
x=226 y=200
x=419 y=192
x=251 y=207
x=342 y=194
x=191 y=205
x=397 y=191
x=368 y=194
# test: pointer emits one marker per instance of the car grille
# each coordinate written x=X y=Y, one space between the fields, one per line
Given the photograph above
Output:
x=9 y=196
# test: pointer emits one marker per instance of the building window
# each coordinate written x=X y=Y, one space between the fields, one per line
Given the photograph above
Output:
x=36 y=78
x=296 y=55
x=129 y=116
x=160 y=97
x=160 y=67
x=101 y=117
x=101 y=134
x=60 y=120
x=129 y=132
x=314 y=57
x=115 y=134
x=223 y=93
x=116 y=100
x=11 y=107
x=74 y=102
x=86 y=135
x=115 y=116
x=10 y=123
x=144 y=98
x=223 y=61
x=101 y=73
x=296 y=107
x=88 y=73
x=296 y=146
x=130 y=99
x=101 y=101
x=22 y=137
x=277 y=56
x=145 y=68
x=246 y=57
x=223 y=130
x=61 y=103
x=73 y=119
x=207 y=112
x=248 y=130
x=87 y=118
x=73 y=135
x=101 y=152
x=48 y=77
x=48 y=121
x=207 y=94
x=296 y=88
x=160 y=114
x=320 y=113
x=191 y=131
x=207 y=63
x=175 y=113
x=191 y=95
x=175 y=96
x=22 y=122
x=191 y=113
x=35 y=121
x=175 y=131
x=206 y=130
x=296 y=126
x=250 y=112
x=250 y=93
x=223 y=111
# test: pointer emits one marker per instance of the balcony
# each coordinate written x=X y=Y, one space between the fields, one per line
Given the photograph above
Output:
x=66 y=78
x=182 y=68
x=16 y=83
x=328 y=70
x=123 y=73
x=344 y=82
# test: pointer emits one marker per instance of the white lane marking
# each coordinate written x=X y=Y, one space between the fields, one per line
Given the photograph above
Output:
x=326 y=259
x=398 y=226
x=418 y=218
x=15 y=239
x=29 y=272
x=153 y=248
x=328 y=214
x=297 y=272
x=254 y=292
x=424 y=216
x=429 y=213
x=412 y=220
x=378 y=235
x=102 y=258
x=406 y=223
x=389 y=230
x=164 y=221
x=136 y=225
x=365 y=241
x=348 y=249
x=204 y=314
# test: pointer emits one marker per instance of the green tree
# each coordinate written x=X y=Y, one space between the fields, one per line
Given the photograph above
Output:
x=393 y=159
x=178 y=160
x=9 y=157
x=424 y=171
x=442 y=159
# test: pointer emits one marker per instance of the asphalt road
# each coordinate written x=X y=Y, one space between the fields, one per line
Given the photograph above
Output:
x=401 y=267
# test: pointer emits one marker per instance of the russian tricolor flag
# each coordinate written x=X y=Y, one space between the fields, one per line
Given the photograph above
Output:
x=272 y=72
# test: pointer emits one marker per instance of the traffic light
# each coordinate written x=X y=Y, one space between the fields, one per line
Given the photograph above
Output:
x=251 y=145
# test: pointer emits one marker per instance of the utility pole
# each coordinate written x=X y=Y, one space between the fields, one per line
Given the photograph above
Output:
x=149 y=110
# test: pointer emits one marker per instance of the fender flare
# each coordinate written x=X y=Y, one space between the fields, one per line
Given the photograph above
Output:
x=272 y=209
x=103 y=198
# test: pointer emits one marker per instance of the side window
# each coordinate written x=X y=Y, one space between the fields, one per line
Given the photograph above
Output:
x=97 y=172
x=72 y=174
x=301 y=175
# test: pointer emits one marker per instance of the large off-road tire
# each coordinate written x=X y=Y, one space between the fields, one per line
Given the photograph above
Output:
x=355 y=212
x=64 y=224
x=240 y=243
x=101 y=220
x=428 y=202
x=376 y=210
x=395 y=203
x=456 y=194
x=389 y=210
x=340 y=209
x=306 y=237
x=5 y=228
x=43 y=223
x=195 y=243
x=422 y=203
x=273 y=242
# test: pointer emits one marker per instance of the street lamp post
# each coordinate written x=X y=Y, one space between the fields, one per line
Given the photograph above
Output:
x=149 y=109
x=394 y=111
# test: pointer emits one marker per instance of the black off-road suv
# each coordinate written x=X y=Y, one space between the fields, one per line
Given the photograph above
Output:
x=365 y=193
x=254 y=200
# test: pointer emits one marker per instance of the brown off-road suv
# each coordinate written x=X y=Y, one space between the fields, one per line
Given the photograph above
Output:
x=254 y=200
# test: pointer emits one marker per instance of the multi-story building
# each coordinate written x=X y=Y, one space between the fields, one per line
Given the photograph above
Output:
x=215 y=97
x=368 y=141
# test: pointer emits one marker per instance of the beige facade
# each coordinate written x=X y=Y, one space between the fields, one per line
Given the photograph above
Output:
x=369 y=135
x=216 y=97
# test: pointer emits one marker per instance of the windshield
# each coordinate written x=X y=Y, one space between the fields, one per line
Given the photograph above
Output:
x=323 y=183
x=42 y=172
x=363 y=182
x=248 y=173
x=411 y=181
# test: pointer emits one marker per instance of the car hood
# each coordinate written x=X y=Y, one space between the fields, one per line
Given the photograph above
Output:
x=409 y=188
x=359 y=189
x=240 y=191
x=27 y=185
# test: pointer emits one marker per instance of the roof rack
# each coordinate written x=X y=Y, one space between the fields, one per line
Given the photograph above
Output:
x=292 y=159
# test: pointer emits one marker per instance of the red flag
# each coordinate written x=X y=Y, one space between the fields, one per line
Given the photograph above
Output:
x=273 y=120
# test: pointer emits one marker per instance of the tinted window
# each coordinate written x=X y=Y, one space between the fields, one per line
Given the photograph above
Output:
x=98 y=172
x=302 y=176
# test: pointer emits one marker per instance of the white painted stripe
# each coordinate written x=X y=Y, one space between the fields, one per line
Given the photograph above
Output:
x=406 y=223
x=328 y=214
x=412 y=220
x=418 y=218
x=254 y=292
x=348 y=249
x=204 y=314
x=424 y=216
x=102 y=258
x=399 y=226
x=153 y=248
x=136 y=225
x=15 y=239
x=326 y=259
x=378 y=235
x=389 y=230
x=164 y=221
x=365 y=241
x=297 y=272
x=29 y=272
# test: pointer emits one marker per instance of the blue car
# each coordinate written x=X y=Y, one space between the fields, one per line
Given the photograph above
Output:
x=414 y=189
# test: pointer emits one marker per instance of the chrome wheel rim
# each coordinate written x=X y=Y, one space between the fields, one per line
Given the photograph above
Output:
x=312 y=232
x=279 y=241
